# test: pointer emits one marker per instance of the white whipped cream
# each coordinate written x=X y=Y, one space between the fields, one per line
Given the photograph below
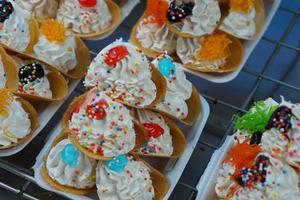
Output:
x=81 y=176
x=238 y=24
x=225 y=184
x=16 y=125
x=161 y=145
x=2 y=74
x=204 y=18
x=133 y=183
x=114 y=134
x=41 y=9
x=188 y=47
x=179 y=89
x=15 y=31
x=83 y=19
x=247 y=194
x=159 y=39
x=130 y=76
x=60 y=55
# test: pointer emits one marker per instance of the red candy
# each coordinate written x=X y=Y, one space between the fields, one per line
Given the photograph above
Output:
x=88 y=3
x=115 y=54
x=153 y=130
x=97 y=111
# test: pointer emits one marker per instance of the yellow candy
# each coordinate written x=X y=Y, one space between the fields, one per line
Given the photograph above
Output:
x=53 y=30
x=242 y=5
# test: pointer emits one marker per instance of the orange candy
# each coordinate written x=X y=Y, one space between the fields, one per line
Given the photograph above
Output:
x=242 y=5
x=53 y=30
x=158 y=10
x=214 y=47
x=242 y=155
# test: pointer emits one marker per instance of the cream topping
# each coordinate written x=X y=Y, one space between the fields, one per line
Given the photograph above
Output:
x=84 y=19
x=15 y=30
x=187 y=48
x=112 y=135
x=16 y=125
x=179 y=89
x=241 y=25
x=156 y=38
x=161 y=145
x=41 y=9
x=129 y=79
x=133 y=182
x=60 y=55
x=80 y=174
x=204 y=18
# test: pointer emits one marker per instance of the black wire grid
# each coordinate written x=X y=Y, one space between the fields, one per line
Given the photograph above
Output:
x=17 y=176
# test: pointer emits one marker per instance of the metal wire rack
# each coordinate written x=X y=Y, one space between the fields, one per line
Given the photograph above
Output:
x=19 y=179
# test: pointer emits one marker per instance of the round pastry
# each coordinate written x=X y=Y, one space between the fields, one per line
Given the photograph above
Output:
x=217 y=52
x=89 y=18
x=275 y=127
x=245 y=19
x=18 y=120
x=182 y=99
x=247 y=172
x=163 y=139
x=67 y=169
x=56 y=46
x=124 y=177
x=193 y=18
x=151 y=33
x=33 y=78
x=41 y=9
x=18 y=31
x=101 y=128
x=124 y=73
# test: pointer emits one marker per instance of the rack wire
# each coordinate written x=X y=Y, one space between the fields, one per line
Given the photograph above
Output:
x=19 y=170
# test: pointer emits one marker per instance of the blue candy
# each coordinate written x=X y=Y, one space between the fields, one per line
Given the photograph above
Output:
x=166 y=67
x=117 y=164
x=70 y=154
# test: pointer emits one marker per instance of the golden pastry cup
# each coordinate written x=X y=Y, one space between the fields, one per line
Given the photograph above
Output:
x=58 y=84
x=116 y=14
x=148 y=52
x=160 y=182
x=63 y=135
x=161 y=89
x=259 y=17
x=34 y=123
x=232 y=62
x=178 y=142
x=194 y=109
x=139 y=130
x=82 y=55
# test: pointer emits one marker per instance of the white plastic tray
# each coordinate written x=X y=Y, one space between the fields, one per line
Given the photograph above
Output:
x=271 y=7
x=45 y=113
x=173 y=175
x=206 y=185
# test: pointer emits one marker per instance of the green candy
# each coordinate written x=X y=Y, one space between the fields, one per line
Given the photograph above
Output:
x=256 y=119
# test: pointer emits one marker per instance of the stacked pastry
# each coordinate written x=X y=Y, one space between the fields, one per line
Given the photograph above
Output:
x=117 y=121
x=264 y=161
x=205 y=35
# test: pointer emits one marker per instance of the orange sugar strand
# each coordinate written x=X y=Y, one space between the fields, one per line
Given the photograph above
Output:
x=53 y=30
x=242 y=155
x=214 y=47
x=242 y=5
x=158 y=10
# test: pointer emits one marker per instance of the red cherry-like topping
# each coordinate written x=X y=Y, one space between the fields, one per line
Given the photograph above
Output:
x=116 y=54
x=153 y=130
x=97 y=110
x=88 y=3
